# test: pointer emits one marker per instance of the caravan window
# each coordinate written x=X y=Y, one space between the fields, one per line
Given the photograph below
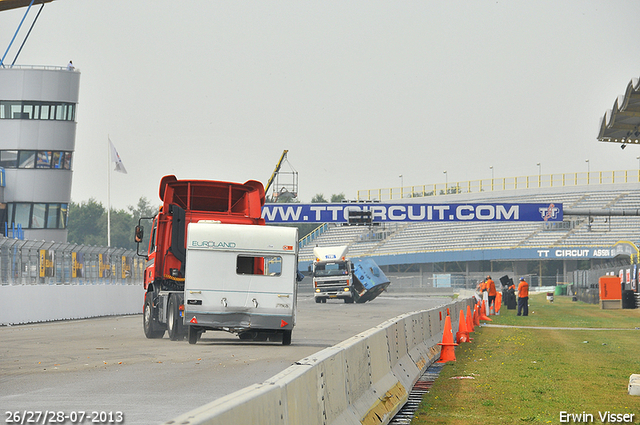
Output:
x=265 y=266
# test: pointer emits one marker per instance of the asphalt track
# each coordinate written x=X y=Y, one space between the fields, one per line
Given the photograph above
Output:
x=107 y=365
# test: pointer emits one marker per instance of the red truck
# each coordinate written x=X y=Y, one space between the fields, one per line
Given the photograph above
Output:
x=207 y=203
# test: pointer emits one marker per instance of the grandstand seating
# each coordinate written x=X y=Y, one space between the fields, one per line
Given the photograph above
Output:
x=577 y=231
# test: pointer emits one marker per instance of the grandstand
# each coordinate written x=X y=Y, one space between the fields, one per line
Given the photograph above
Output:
x=514 y=248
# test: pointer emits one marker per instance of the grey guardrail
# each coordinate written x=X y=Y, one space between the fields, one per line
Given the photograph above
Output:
x=363 y=380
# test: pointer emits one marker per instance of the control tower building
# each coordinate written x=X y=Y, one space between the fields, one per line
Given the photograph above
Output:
x=37 y=140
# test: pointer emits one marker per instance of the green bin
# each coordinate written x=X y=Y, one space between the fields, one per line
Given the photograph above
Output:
x=560 y=290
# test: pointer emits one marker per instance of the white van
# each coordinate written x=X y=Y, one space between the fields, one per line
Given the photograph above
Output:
x=241 y=279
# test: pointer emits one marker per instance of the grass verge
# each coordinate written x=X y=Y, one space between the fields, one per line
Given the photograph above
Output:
x=515 y=375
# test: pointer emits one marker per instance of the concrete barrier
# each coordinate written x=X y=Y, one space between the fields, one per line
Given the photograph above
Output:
x=363 y=380
x=255 y=404
x=41 y=303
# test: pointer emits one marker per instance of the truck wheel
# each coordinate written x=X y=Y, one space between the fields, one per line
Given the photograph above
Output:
x=324 y=300
x=193 y=334
x=151 y=328
x=286 y=337
x=318 y=300
x=349 y=300
x=247 y=336
x=174 y=321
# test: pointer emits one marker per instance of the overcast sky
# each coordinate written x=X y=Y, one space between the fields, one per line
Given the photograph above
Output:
x=359 y=92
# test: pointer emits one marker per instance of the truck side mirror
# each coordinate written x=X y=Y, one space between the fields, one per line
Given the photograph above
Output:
x=139 y=233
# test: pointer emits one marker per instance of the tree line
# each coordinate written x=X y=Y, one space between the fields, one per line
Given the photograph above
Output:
x=87 y=223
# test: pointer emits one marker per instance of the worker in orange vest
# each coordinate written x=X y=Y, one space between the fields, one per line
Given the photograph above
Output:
x=523 y=297
x=491 y=289
x=480 y=287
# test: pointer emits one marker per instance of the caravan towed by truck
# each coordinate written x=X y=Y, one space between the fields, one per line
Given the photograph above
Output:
x=335 y=276
x=241 y=279
x=213 y=265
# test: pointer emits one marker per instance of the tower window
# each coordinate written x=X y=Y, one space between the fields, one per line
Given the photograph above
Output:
x=9 y=159
x=27 y=159
x=37 y=215
x=60 y=160
x=34 y=110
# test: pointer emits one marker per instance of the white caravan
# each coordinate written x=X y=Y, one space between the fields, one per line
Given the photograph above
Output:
x=241 y=279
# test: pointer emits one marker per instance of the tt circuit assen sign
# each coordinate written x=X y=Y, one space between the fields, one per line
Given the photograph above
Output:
x=413 y=212
x=625 y=248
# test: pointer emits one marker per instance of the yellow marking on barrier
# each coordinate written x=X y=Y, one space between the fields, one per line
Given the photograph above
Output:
x=390 y=402
x=434 y=351
x=421 y=363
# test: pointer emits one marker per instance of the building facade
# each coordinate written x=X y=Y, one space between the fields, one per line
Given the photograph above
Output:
x=37 y=142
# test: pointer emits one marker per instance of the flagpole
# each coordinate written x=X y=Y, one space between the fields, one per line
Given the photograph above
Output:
x=108 y=192
x=115 y=158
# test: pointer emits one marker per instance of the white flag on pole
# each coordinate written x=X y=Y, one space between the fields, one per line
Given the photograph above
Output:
x=116 y=159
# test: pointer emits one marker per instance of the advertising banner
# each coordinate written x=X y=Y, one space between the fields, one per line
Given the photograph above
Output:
x=412 y=212
x=104 y=265
x=126 y=267
x=77 y=264
x=46 y=263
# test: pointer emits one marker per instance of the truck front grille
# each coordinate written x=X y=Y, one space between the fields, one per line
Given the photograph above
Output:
x=332 y=283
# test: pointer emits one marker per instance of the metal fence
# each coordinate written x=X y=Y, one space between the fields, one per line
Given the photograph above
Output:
x=27 y=262
x=585 y=282
x=501 y=184
x=466 y=280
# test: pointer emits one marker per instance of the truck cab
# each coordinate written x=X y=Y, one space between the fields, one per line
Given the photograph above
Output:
x=332 y=274
x=336 y=276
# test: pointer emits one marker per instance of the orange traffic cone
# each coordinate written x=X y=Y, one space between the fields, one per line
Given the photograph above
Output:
x=476 y=316
x=463 y=334
x=498 y=303
x=447 y=354
x=470 y=327
x=483 y=316
x=492 y=311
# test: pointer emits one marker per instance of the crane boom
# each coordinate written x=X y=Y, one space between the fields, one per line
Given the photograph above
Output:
x=273 y=176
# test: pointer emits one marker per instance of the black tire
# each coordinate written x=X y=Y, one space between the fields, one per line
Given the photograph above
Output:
x=174 y=321
x=349 y=300
x=324 y=300
x=246 y=336
x=261 y=336
x=318 y=300
x=149 y=323
x=193 y=334
x=286 y=337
